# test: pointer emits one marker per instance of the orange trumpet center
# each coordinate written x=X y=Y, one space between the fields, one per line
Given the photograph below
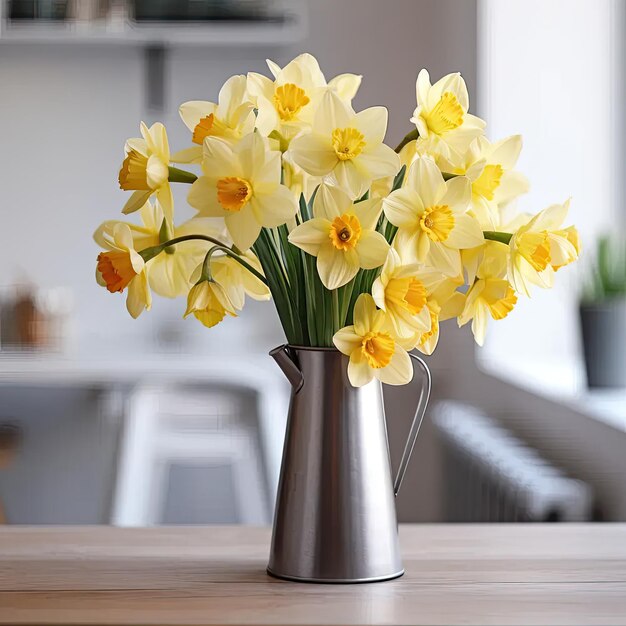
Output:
x=116 y=269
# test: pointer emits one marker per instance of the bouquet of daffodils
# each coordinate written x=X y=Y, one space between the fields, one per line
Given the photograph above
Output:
x=360 y=246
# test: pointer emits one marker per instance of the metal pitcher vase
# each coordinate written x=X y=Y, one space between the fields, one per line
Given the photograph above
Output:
x=335 y=518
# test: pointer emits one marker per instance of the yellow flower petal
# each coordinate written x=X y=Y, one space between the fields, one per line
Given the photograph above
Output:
x=346 y=340
x=136 y=201
x=372 y=249
x=336 y=267
x=139 y=297
x=403 y=208
x=399 y=371
x=314 y=153
x=311 y=235
x=364 y=314
x=359 y=372
x=243 y=228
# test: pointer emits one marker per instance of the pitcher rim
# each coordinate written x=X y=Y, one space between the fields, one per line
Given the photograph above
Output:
x=313 y=348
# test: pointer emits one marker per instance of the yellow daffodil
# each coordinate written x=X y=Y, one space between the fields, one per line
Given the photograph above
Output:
x=145 y=170
x=347 y=145
x=495 y=183
x=444 y=302
x=540 y=247
x=441 y=116
x=491 y=294
x=169 y=272
x=225 y=291
x=402 y=295
x=241 y=183
x=430 y=214
x=342 y=236
x=122 y=267
x=230 y=118
x=237 y=280
x=373 y=350
x=209 y=303
x=287 y=104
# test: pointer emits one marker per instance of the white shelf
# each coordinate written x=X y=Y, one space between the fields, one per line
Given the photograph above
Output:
x=217 y=33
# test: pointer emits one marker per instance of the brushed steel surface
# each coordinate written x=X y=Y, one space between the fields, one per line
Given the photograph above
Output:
x=335 y=518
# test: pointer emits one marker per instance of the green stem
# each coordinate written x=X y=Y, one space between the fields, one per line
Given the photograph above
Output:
x=150 y=253
x=177 y=175
x=206 y=265
x=494 y=235
x=314 y=307
x=410 y=136
x=269 y=256
x=345 y=301
x=336 y=311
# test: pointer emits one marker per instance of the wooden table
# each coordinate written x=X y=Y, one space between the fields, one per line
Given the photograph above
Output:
x=455 y=574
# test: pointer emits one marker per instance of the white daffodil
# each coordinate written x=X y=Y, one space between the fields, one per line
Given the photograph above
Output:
x=342 y=235
x=491 y=294
x=402 y=295
x=241 y=183
x=441 y=116
x=347 y=145
x=145 y=170
x=490 y=168
x=121 y=267
x=540 y=247
x=287 y=104
x=230 y=118
x=373 y=350
x=169 y=272
x=431 y=217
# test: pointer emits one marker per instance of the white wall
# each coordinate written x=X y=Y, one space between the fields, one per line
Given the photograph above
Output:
x=552 y=71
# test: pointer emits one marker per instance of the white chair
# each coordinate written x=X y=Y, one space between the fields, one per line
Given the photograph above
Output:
x=204 y=427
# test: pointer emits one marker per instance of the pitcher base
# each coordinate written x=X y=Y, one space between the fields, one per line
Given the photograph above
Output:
x=336 y=581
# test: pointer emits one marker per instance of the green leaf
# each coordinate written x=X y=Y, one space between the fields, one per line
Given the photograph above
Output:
x=399 y=179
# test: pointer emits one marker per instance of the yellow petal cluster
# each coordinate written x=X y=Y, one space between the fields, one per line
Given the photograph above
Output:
x=342 y=235
x=242 y=185
x=121 y=268
x=362 y=247
x=374 y=350
x=346 y=146
x=145 y=170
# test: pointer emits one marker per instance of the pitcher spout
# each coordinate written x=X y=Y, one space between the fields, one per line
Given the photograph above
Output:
x=285 y=359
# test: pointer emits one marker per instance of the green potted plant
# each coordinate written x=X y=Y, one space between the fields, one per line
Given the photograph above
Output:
x=603 y=316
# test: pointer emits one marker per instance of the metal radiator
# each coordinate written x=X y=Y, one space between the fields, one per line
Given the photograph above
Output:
x=491 y=476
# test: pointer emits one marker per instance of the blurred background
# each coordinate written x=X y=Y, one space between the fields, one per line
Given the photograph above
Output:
x=104 y=419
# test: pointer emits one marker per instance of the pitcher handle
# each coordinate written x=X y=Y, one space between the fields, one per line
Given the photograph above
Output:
x=420 y=411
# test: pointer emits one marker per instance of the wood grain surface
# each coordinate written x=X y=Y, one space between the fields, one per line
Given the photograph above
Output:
x=455 y=574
